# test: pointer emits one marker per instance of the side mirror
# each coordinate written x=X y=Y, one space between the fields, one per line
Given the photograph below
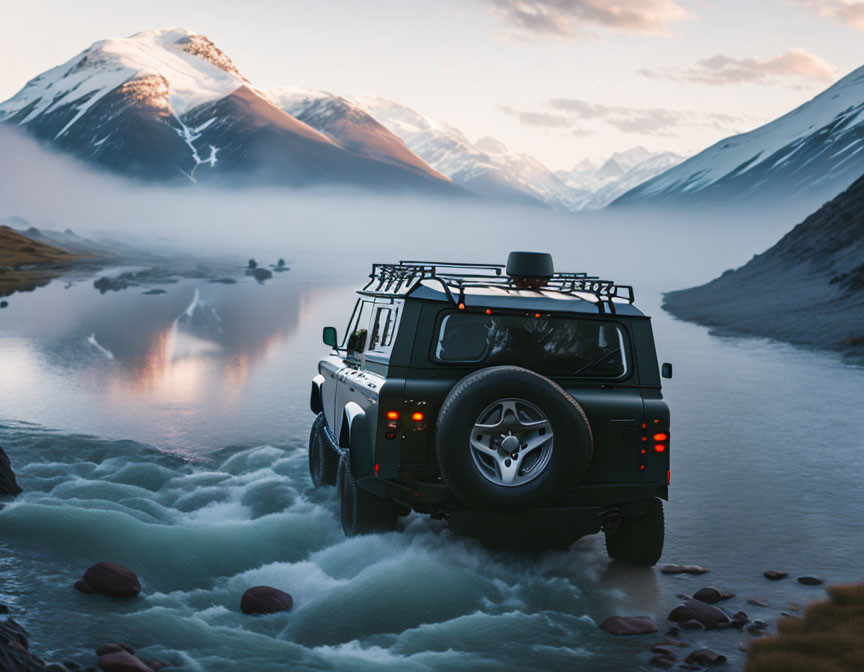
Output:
x=666 y=371
x=329 y=336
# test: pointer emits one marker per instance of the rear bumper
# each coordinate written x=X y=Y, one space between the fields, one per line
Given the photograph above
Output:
x=604 y=495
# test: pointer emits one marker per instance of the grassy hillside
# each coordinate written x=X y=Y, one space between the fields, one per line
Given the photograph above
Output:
x=26 y=264
x=830 y=637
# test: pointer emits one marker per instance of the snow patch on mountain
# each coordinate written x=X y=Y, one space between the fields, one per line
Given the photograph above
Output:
x=811 y=145
x=173 y=67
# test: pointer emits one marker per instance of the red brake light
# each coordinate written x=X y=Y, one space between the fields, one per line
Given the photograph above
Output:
x=536 y=314
x=461 y=306
x=659 y=447
x=418 y=416
x=392 y=415
x=660 y=436
x=488 y=311
x=668 y=476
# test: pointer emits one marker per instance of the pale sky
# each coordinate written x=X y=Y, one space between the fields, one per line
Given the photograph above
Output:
x=559 y=79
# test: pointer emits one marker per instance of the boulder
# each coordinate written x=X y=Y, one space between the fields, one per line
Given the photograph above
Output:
x=629 y=625
x=683 y=569
x=756 y=603
x=705 y=657
x=663 y=661
x=774 y=575
x=262 y=274
x=265 y=600
x=114 y=647
x=122 y=661
x=810 y=580
x=707 y=615
x=709 y=595
x=668 y=651
x=692 y=624
x=8 y=484
x=108 y=578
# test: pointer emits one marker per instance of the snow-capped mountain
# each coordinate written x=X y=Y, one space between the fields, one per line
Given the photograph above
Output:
x=595 y=182
x=166 y=104
x=349 y=125
x=487 y=167
x=813 y=152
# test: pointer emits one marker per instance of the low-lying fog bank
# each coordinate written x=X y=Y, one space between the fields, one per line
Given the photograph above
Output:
x=325 y=232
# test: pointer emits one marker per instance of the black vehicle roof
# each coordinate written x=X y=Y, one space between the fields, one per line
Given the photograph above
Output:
x=487 y=286
x=542 y=300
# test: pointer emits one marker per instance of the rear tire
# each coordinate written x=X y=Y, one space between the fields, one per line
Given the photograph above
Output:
x=638 y=540
x=323 y=454
x=361 y=511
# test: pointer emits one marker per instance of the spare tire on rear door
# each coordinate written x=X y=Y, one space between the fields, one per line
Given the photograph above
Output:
x=510 y=438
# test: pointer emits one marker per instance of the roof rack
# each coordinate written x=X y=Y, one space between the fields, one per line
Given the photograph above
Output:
x=399 y=280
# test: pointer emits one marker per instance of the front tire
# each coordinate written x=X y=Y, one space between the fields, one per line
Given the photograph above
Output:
x=323 y=454
x=638 y=540
x=361 y=511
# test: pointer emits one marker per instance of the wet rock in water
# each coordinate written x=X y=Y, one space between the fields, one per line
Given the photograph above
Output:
x=793 y=607
x=740 y=619
x=668 y=651
x=709 y=595
x=153 y=292
x=114 y=647
x=692 y=624
x=14 y=656
x=663 y=662
x=705 y=657
x=265 y=600
x=629 y=625
x=707 y=615
x=123 y=661
x=106 y=284
x=8 y=484
x=4 y=304
x=773 y=575
x=810 y=580
x=668 y=641
x=695 y=570
x=4 y=609
x=224 y=281
x=108 y=578
x=756 y=603
x=262 y=274
x=757 y=626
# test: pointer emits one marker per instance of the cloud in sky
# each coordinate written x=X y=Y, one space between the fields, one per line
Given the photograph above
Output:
x=848 y=12
x=795 y=67
x=568 y=19
x=574 y=114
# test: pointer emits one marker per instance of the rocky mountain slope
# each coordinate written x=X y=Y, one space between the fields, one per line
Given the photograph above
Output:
x=808 y=288
x=813 y=152
x=169 y=105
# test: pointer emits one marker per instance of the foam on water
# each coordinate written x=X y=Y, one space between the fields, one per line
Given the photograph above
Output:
x=199 y=532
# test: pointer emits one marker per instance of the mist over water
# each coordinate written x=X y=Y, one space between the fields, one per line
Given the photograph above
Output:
x=169 y=433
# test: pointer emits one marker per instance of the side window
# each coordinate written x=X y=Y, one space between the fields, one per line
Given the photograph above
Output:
x=358 y=330
x=382 y=329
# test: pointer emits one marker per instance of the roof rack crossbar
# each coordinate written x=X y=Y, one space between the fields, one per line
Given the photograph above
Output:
x=399 y=280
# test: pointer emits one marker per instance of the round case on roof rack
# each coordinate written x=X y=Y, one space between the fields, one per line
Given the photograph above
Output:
x=530 y=270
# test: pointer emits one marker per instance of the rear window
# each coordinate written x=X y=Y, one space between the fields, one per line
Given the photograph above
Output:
x=553 y=346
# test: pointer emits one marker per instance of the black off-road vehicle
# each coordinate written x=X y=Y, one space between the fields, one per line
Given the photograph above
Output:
x=520 y=405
